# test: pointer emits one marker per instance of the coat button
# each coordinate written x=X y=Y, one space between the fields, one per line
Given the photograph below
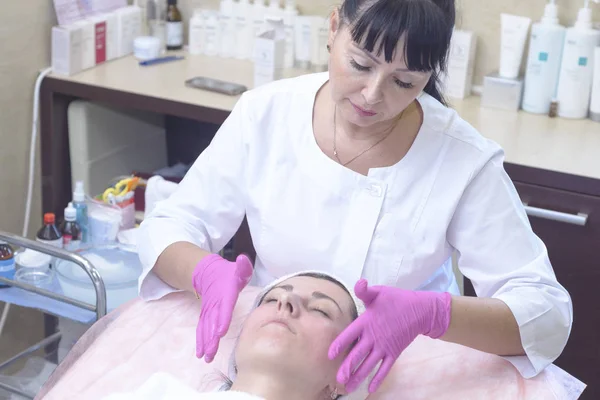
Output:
x=375 y=190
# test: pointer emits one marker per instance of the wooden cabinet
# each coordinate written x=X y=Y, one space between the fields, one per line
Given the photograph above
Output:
x=557 y=217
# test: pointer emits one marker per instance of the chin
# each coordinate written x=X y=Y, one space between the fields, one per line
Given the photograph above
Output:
x=354 y=118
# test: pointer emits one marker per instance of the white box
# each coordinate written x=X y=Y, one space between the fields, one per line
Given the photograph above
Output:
x=88 y=47
x=129 y=26
x=461 y=63
x=269 y=52
x=66 y=50
x=111 y=35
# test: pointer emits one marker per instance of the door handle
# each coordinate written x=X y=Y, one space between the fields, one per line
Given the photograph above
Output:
x=573 y=219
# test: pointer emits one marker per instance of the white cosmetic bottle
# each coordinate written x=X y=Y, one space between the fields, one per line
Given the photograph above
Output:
x=543 y=64
x=196 y=40
x=289 y=19
x=575 y=81
x=259 y=11
x=244 y=30
x=227 y=25
x=274 y=9
x=595 y=105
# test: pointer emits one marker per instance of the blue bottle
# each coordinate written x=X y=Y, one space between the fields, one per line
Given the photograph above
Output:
x=82 y=213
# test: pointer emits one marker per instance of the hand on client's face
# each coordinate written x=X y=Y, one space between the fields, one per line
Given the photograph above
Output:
x=287 y=337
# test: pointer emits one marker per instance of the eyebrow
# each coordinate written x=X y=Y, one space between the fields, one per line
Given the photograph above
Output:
x=376 y=60
x=316 y=294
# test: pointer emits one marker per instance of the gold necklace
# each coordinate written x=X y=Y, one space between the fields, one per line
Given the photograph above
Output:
x=335 y=153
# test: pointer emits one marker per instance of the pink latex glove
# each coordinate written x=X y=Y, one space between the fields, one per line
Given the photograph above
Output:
x=218 y=282
x=393 y=318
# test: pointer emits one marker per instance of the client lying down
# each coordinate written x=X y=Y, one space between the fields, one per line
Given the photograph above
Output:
x=282 y=349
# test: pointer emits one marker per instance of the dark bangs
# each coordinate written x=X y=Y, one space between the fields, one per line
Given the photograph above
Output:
x=426 y=26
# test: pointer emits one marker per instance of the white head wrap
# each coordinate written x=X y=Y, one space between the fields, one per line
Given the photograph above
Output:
x=359 y=306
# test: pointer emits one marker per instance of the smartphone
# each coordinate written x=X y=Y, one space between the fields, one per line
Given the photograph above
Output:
x=215 y=85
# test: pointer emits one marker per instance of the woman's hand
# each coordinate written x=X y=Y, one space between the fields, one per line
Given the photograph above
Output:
x=392 y=320
x=218 y=282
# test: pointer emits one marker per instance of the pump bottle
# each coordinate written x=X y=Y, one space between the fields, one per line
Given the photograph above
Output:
x=543 y=64
x=227 y=24
x=575 y=81
x=259 y=11
x=244 y=28
x=289 y=19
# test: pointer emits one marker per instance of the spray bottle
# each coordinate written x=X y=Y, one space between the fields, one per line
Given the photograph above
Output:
x=575 y=81
x=81 y=212
x=543 y=64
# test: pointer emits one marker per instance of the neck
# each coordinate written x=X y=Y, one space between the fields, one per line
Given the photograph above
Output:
x=271 y=387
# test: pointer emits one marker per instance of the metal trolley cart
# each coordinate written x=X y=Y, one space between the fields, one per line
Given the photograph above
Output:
x=99 y=308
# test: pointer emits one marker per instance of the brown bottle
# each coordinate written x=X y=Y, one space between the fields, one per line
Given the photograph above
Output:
x=49 y=233
x=174 y=27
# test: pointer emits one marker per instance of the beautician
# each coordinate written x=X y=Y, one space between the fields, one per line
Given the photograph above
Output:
x=365 y=173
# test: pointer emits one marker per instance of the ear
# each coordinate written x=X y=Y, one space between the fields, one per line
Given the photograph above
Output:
x=336 y=389
x=334 y=26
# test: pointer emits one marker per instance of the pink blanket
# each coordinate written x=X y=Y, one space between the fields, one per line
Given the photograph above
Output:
x=127 y=346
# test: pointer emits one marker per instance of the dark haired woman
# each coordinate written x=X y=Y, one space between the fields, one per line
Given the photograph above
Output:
x=365 y=173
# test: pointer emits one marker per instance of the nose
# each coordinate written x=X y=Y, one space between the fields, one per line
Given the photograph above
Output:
x=288 y=304
x=372 y=92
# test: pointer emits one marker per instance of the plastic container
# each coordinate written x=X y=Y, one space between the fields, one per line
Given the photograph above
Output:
x=146 y=47
x=105 y=222
x=7 y=262
x=119 y=270
x=33 y=268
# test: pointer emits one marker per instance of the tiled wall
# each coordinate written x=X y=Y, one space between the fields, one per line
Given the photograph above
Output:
x=480 y=16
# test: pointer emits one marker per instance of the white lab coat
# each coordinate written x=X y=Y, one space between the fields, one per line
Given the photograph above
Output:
x=397 y=226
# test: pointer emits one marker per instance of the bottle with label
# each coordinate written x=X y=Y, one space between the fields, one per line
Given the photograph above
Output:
x=71 y=232
x=211 y=33
x=227 y=24
x=174 y=27
x=543 y=63
x=82 y=211
x=289 y=18
x=156 y=19
x=7 y=262
x=49 y=234
x=244 y=27
x=196 y=33
x=575 y=82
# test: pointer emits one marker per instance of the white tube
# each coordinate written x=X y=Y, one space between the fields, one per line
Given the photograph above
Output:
x=514 y=36
x=595 y=106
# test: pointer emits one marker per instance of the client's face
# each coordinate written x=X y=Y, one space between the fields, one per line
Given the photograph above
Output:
x=291 y=330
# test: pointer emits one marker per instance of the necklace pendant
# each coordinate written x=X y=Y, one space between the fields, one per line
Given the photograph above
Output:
x=335 y=153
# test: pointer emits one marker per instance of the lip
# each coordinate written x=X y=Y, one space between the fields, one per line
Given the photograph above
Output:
x=362 y=112
x=280 y=321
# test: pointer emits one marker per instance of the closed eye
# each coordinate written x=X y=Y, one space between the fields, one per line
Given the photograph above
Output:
x=358 y=66
x=404 y=85
x=322 y=312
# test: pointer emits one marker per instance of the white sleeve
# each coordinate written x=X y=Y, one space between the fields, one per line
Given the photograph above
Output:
x=499 y=252
x=206 y=209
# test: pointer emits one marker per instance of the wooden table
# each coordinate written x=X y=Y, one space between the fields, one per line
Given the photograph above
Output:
x=555 y=164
